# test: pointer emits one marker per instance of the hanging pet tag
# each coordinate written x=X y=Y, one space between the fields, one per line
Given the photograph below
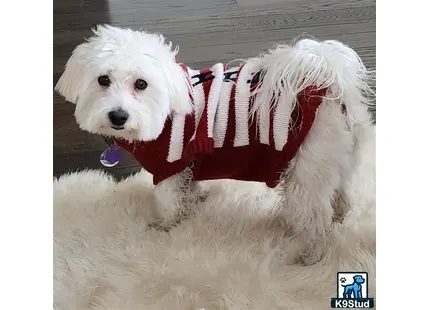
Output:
x=110 y=157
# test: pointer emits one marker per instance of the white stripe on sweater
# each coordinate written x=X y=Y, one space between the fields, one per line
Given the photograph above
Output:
x=221 y=120
x=199 y=101
x=176 y=138
x=264 y=121
x=241 y=106
x=214 y=95
x=280 y=121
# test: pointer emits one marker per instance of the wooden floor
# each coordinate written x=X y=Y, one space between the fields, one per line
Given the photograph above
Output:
x=207 y=31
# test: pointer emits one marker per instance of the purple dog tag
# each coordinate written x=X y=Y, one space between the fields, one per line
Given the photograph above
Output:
x=111 y=156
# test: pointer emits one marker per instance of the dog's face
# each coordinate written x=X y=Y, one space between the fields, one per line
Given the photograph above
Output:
x=358 y=279
x=125 y=84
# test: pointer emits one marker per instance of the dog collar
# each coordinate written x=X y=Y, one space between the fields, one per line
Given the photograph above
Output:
x=112 y=155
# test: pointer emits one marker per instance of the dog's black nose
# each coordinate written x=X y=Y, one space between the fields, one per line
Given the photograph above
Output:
x=118 y=117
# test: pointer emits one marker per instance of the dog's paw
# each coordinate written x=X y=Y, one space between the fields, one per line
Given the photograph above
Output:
x=313 y=254
x=203 y=196
x=161 y=226
x=164 y=224
x=340 y=208
x=167 y=223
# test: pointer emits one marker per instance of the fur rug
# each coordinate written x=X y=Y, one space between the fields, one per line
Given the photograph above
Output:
x=233 y=253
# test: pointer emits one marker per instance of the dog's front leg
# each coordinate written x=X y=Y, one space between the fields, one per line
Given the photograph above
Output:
x=175 y=198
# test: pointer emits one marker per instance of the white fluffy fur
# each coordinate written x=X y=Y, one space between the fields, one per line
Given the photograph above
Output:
x=232 y=254
x=314 y=184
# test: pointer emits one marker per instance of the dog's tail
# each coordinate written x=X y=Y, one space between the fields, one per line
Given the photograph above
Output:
x=289 y=69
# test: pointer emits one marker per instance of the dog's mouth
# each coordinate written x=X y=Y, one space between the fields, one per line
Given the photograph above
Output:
x=117 y=127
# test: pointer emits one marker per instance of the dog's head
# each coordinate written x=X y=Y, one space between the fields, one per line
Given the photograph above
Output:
x=125 y=83
x=358 y=279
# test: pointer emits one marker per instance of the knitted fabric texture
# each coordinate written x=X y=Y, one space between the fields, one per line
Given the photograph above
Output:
x=219 y=139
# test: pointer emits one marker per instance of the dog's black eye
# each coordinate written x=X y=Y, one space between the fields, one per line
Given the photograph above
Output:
x=140 y=84
x=104 y=80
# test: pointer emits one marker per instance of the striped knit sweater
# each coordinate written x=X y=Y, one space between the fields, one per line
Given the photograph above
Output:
x=219 y=139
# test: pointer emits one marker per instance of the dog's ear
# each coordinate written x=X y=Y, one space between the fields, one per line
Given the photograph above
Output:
x=179 y=88
x=71 y=81
x=178 y=81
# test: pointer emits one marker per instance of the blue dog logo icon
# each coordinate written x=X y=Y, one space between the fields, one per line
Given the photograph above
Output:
x=353 y=290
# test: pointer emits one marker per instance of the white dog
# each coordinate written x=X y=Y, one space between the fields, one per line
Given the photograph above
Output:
x=292 y=118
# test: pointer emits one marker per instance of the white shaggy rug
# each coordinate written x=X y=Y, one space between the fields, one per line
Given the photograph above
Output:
x=232 y=254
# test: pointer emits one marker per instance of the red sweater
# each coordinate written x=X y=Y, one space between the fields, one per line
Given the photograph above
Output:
x=220 y=138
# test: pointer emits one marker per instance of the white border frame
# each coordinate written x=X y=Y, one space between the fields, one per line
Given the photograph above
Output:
x=26 y=155
x=403 y=118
